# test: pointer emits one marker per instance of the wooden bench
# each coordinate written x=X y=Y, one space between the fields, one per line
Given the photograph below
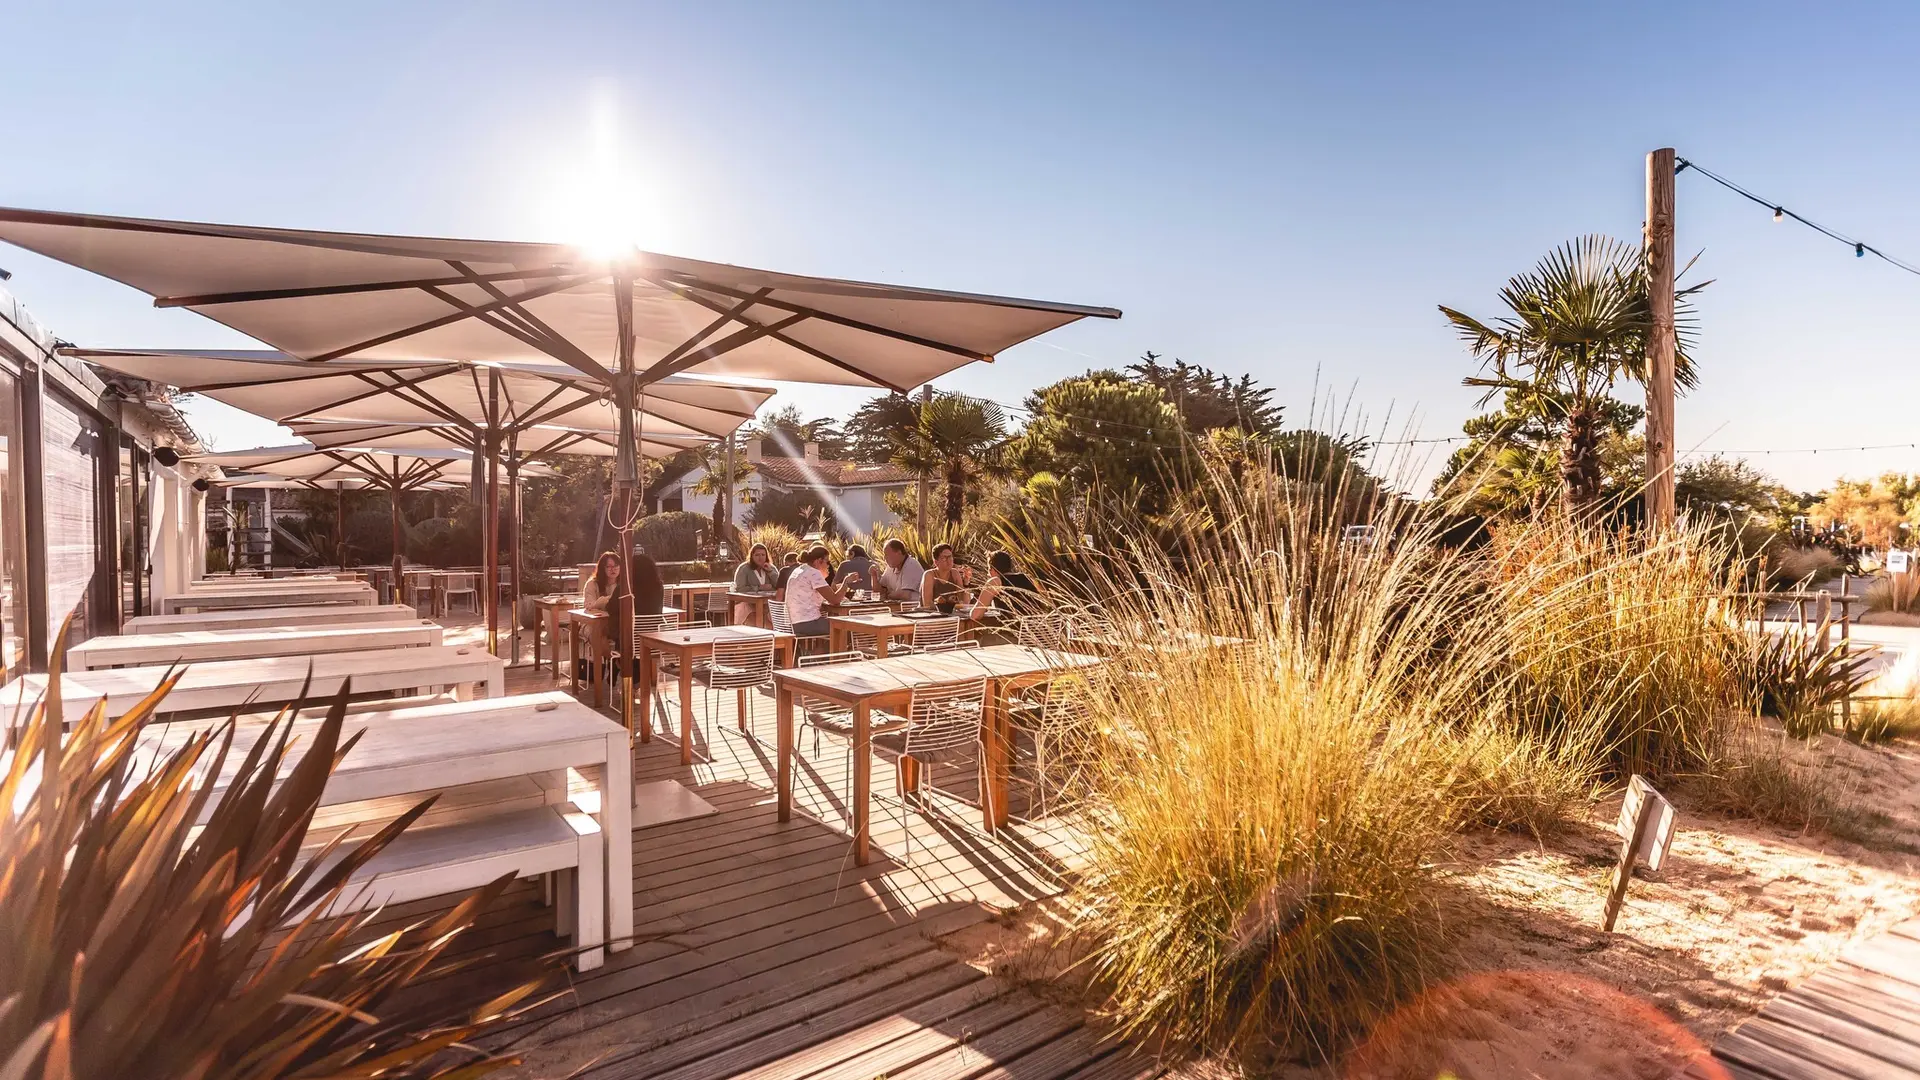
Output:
x=270 y=617
x=456 y=858
x=195 y=646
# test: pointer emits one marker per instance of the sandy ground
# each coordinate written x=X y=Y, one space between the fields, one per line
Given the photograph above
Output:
x=1740 y=912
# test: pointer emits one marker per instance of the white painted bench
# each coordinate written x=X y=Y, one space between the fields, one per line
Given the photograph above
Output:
x=194 y=646
x=253 y=596
x=265 y=617
x=446 y=859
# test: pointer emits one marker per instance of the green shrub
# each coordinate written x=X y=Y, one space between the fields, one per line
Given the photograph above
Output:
x=1789 y=676
x=1897 y=593
x=674 y=536
x=1789 y=566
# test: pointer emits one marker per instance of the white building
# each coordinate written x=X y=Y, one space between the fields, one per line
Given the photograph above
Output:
x=855 y=491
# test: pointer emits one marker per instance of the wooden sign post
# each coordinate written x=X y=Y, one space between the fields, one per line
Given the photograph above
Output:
x=1646 y=831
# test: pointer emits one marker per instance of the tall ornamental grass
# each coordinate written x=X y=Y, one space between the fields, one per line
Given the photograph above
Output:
x=1264 y=816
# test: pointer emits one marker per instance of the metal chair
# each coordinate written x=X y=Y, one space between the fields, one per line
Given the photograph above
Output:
x=864 y=642
x=739 y=666
x=466 y=585
x=709 y=606
x=783 y=623
x=645 y=624
x=942 y=723
x=828 y=716
x=1044 y=630
x=930 y=632
x=1063 y=709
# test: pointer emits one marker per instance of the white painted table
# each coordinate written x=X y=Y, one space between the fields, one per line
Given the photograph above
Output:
x=195 y=646
x=265 y=617
x=297 y=593
x=433 y=747
x=269 y=681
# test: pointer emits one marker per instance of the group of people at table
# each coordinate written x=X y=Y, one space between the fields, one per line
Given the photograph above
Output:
x=807 y=582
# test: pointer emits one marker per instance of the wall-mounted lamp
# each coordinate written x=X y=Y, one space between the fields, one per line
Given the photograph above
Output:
x=166 y=455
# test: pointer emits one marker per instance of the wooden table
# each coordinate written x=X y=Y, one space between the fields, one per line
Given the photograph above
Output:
x=884 y=628
x=433 y=747
x=681 y=593
x=863 y=685
x=256 y=618
x=686 y=645
x=299 y=592
x=268 y=681
x=758 y=617
x=595 y=627
x=195 y=646
x=1110 y=643
x=546 y=615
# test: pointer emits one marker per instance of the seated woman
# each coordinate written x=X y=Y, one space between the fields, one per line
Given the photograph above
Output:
x=604 y=584
x=808 y=593
x=1007 y=592
x=753 y=576
x=944 y=588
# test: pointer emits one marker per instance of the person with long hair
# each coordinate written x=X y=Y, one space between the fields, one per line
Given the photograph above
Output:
x=604 y=584
x=753 y=576
x=649 y=593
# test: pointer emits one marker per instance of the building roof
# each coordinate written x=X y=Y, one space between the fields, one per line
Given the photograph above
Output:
x=799 y=472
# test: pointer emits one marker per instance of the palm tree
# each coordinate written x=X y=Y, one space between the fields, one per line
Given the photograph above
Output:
x=1580 y=321
x=955 y=438
x=717 y=480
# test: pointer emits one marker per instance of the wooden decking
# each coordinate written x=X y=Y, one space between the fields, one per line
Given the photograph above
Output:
x=1858 y=1018
x=766 y=952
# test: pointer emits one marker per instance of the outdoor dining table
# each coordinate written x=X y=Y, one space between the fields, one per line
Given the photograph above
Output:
x=685 y=645
x=299 y=592
x=546 y=616
x=430 y=748
x=248 y=618
x=863 y=685
x=758 y=616
x=884 y=628
x=681 y=593
x=595 y=628
x=264 y=682
x=194 y=646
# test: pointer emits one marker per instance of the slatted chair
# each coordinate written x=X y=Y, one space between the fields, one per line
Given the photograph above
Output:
x=820 y=714
x=1063 y=709
x=466 y=585
x=1044 y=630
x=866 y=642
x=783 y=623
x=646 y=624
x=942 y=724
x=740 y=666
x=709 y=606
x=931 y=632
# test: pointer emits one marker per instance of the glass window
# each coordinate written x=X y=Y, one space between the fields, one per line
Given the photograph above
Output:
x=13 y=536
x=72 y=495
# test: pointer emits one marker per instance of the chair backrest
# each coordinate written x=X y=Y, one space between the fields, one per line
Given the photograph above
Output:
x=818 y=659
x=653 y=624
x=877 y=608
x=944 y=716
x=777 y=614
x=752 y=658
x=1043 y=630
x=460 y=583
x=934 y=632
x=951 y=646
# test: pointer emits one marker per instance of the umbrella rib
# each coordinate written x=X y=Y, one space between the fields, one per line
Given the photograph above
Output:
x=520 y=421
x=579 y=358
x=465 y=312
x=751 y=333
x=784 y=339
x=380 y=388
x=201 y=388
x=254 y=295
x=518 y=330
x=707 y=331
x=851 y=323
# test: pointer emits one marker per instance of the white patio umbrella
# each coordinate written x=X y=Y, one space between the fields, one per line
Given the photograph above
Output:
x=481 y=408
x=325 y=296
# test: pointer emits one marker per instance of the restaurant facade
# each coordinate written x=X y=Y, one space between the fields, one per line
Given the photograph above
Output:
x=93 y=495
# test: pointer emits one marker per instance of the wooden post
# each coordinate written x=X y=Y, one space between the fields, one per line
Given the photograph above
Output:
x=399 y=544
x=926 y=485
x=1660 y=340
x=490 y=566
x=340 y=518
x=628 y=470
x=513 y=545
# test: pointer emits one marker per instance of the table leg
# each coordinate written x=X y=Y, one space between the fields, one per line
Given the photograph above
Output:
x=538 y=625
x=573 y=659
x=616 y=821
x=648 y=679
x=686 y=709
x=600 y=658
x=862 y=779
x=783 y=714
x=783 y=648
x=880 y=640
x=497 y=682
x=993 y=784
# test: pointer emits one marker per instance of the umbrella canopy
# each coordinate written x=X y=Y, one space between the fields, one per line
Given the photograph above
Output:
x=532 y=444
x=452 y=394
x=393 y=470
x=331 y=295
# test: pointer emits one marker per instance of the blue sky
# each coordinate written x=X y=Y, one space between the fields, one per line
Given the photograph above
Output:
x=1275 y=189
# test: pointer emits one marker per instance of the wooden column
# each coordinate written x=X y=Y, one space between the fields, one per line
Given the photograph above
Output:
x=626 y=483
x=513 y=545
x=1660 y=341
x=490 y=566
x=340 y=519
x=399 y=542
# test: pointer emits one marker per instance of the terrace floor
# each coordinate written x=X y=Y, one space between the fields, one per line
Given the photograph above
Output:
x=766 y=952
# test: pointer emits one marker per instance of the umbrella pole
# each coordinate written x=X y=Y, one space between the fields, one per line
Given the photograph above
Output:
x=399 y=540
x=340 y=519
x=626 y=473
x=513 y=544
x=491 y=587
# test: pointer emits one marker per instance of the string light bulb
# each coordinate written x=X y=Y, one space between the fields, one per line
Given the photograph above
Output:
x=1779 y=214
x=1859 y=251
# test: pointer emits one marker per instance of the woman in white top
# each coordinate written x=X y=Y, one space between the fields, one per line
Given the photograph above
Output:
x=808 y=593
x=604 y=585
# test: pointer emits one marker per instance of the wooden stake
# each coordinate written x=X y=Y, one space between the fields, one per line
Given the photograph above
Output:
x=1660 y=341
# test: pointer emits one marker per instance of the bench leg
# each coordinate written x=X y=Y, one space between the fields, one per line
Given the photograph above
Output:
x=590 y=903
x=562 y=884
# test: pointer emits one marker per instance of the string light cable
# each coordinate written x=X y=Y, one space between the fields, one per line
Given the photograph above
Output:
x=1861 y=249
